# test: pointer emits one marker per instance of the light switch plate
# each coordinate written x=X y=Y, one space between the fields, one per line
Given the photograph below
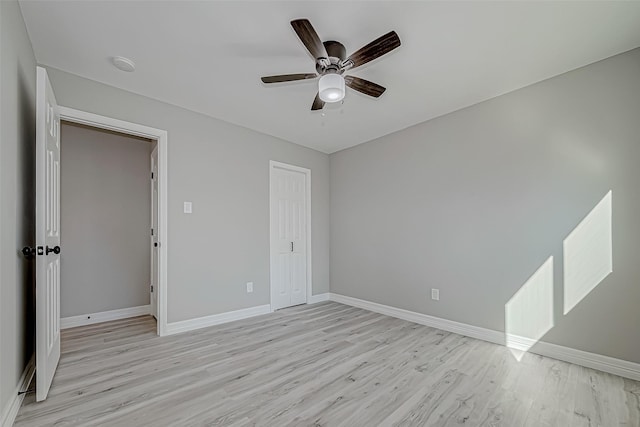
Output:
x=188 y=207
x=435 y=294
x=249 y=287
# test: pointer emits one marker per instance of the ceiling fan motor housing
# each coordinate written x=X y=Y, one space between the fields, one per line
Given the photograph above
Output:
x=335 y=50
x=337 y=54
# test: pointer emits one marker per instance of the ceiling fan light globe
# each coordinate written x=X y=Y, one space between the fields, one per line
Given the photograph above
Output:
x=331 y=88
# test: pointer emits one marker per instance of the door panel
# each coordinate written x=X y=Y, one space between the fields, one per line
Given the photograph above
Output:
x=47 y=235
x=284 y=282
x=289 y=235
x=298 y=279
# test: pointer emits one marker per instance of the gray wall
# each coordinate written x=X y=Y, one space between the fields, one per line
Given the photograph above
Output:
x=475 y=201
x=17 y=136
x=224 y=170
x=105 y=214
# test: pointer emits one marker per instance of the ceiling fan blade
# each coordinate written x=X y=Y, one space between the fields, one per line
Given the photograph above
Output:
x=364 y=86
x=317 y=103
x=309 y=38
x=375 y=49
x=287 y=78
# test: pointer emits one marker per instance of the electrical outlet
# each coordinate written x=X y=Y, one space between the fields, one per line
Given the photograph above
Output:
x=188 y=207
x=435 y=294
x=249 y=287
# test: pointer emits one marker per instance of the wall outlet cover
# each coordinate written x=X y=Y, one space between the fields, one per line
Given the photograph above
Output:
x=435 y=294
x=249 y=287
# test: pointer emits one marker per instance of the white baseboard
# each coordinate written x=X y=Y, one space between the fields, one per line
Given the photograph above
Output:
x=607 y=364
x=216 y=319
x=611 y=365
x=230 y=316
x=10 y=411
x=103 y=316
x=423 y=319
x=313 y=299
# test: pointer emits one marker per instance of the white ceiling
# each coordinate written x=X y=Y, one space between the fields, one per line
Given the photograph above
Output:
x=208 y=56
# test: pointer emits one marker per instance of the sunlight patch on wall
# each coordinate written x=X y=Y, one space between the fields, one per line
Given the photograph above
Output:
x=588 y=255
x=529 y=313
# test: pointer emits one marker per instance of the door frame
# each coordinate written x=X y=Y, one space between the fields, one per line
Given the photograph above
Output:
x=161 y=136
x=155 y=255
x=279 y=165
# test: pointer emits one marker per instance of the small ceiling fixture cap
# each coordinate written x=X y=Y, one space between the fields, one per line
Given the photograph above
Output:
x=331 y=88
x=124 y=64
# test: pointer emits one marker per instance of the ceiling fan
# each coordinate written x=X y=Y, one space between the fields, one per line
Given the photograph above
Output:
x=331 y=63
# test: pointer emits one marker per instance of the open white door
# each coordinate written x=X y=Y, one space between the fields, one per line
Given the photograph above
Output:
x=154 y=232
x=47 y=235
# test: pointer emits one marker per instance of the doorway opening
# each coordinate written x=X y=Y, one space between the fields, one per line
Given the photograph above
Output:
x=119 y=227
x=105 y=210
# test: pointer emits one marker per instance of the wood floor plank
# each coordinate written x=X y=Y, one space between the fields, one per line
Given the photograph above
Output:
x=553 y=405
x=632 y=402
x=325 y=364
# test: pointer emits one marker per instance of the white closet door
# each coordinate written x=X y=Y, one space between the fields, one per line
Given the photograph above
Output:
x=288 y=238
x=298 y=215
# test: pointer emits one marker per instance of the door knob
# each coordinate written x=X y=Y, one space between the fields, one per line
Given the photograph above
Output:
x=29 y=252
x=55 y=250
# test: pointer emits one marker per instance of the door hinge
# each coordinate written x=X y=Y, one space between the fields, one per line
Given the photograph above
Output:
x=152 y=231
x=151 y=288
x=291 y=246
x=151 y=175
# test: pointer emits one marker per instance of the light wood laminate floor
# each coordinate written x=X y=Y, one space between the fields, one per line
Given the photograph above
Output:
x=317 y=365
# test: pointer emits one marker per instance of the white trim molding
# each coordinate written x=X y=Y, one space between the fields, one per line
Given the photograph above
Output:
x=518 y=342
x=602 y=363
x=161 y=136
x=103 y=316
x=216 y=319
x=307 y=172
x=10 y=411
x=313 y=299
x=423 y=319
